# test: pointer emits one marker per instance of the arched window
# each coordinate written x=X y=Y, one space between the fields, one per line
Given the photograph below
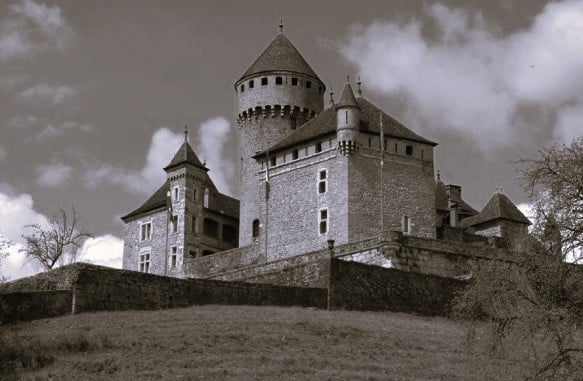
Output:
x=255 y=228
x=210 y=228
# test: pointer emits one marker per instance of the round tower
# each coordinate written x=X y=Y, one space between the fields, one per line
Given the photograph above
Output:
x=347 y=122
x=277 y=94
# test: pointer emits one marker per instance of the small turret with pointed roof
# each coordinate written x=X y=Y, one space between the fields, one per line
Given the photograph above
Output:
x=347 y=121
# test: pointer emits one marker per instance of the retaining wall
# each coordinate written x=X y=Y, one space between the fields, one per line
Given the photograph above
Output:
x=19 y=306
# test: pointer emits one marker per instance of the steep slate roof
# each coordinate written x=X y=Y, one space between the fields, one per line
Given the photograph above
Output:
x=325 y=124
x=499 y=207
x=156 y=201
x=347 y=99
x=280 y=55
x=185 y=155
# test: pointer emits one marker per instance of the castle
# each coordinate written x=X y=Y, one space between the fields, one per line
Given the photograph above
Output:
x=312 y=177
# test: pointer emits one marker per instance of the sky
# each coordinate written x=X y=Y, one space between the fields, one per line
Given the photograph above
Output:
x=94 y=95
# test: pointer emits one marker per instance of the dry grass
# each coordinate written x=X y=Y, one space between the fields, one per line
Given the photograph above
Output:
x=239 y=342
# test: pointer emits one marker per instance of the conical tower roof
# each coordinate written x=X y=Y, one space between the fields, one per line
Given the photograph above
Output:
x=280 y=55
x=185 y=155
x=499 y=207
x=347 y=99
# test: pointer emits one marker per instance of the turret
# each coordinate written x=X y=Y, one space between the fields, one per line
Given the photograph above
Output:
x=278 y=93
x=347 y=121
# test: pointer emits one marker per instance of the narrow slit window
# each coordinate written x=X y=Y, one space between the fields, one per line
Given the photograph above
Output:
x=173 y=258
x=255 y=230
x=323 y=221
x=406 y=225
x=174 y=223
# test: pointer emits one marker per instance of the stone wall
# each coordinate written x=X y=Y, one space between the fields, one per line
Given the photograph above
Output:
x=355 y=286
x=22 y=306
x=156 y=246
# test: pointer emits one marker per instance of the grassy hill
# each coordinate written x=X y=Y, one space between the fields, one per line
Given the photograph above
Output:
x=240 y=342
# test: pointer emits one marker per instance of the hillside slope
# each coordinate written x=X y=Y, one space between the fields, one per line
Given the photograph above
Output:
x=239 y=342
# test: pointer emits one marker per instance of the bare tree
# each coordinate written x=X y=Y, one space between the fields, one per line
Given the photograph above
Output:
x=4 y=245
x=535 y=306
x=58 y=242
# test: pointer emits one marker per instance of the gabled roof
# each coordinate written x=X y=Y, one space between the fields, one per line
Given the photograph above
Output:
x=441 y=201
x=324 y=124
x=280 y=55
x=347 y=99
x=498 y=208
x=156 y=201
x=185 y=155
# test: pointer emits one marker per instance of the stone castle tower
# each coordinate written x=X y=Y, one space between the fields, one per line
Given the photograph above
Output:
x=277 y=94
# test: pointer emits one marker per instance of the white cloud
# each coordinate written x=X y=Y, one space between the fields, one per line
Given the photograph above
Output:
x=54 y=174
x=8 y=81
x=16 y=264
x=54 y=130
x=16 y=210
x=163 y=146
x=42 y=91
x=29 y=28
x=23 y=121
x=106 y=250
x=471 y=80
x=211 y=145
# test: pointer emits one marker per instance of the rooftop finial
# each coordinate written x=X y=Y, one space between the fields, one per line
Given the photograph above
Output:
x=281 y=23
x=331 y=95
x=186 y=132
x=360 y=91
x=438 y=175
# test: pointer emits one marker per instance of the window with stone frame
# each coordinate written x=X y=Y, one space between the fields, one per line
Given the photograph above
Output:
x=255 y=229
x=174 y=223
x=144 y=264
x=323 y=221
x=175 y=193
x=146 y=231
x=406 y=224
x=322 y=181
x=173 y=257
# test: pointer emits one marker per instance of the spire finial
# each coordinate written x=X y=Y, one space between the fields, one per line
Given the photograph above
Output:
x=360 y=90
x=331 y=95
x=281 y=23
x=186 y=132
x=438 y=175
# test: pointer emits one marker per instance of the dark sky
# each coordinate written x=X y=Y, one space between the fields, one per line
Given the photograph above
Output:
x=94 y=94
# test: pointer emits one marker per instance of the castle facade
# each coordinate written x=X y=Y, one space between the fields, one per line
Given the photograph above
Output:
x=311 y=176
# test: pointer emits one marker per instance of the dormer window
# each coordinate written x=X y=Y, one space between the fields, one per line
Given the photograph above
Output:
x=278 y=80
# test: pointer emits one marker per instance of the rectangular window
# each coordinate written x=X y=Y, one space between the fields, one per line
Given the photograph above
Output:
x=242 y=88
x=422 y=154
x=318 y=147
x=370 y=142
x=145 y=262
x=323 y=221
x=174 y=223
x=385 y=145
x=409 y=150
x=193 y=227
x=146 y=231
x=175 y=193
x=278 y=80
x=308 y=85
x=264 y=81
x=322 y=180
x=406 y=225
x=173 y=258
x=295 y=154
x=396 y=147
x=194 y=195
x=251 y=84
x=273 y=161
x=294 y=81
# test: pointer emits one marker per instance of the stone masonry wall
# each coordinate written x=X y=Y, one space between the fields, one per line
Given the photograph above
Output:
x=22 y=306
x=155 y=246
x=356 y=286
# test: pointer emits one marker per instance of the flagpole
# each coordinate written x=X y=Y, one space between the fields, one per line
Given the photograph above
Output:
x=382 y=135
